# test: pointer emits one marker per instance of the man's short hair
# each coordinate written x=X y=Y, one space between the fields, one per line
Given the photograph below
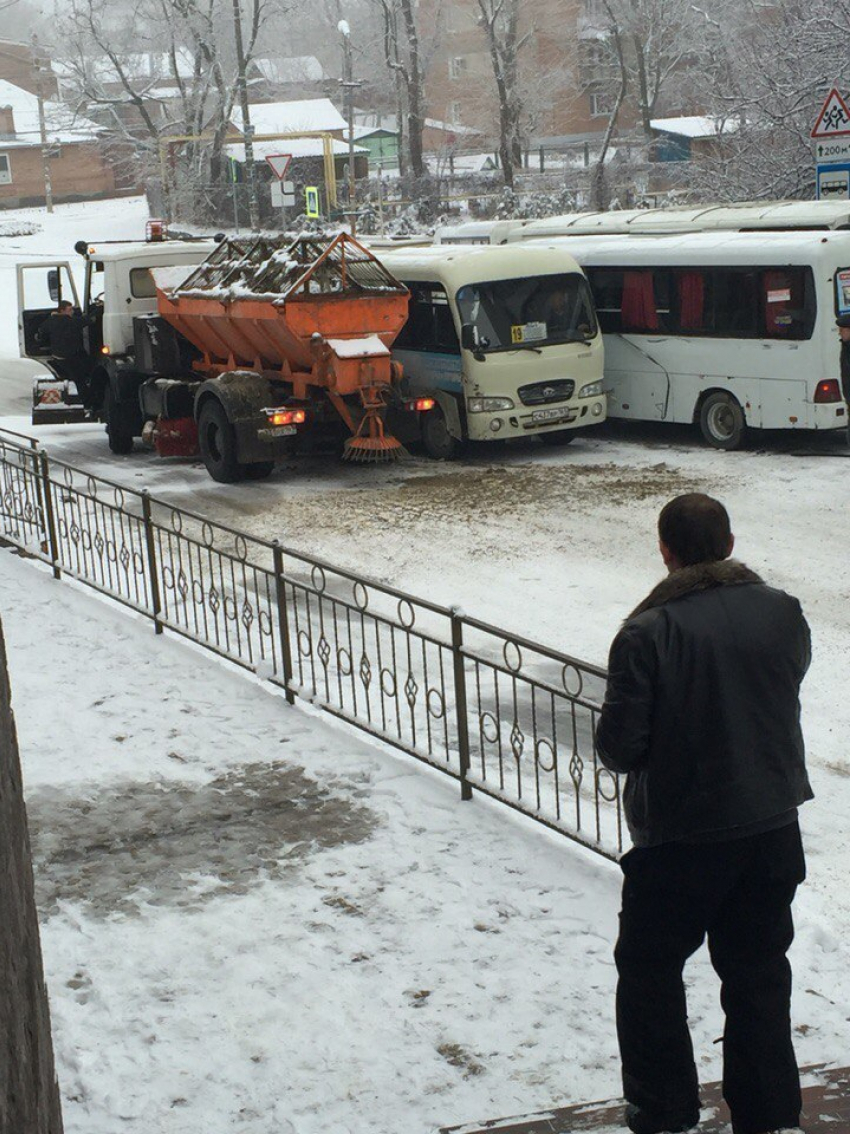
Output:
x=63 y=303
x=695 y=528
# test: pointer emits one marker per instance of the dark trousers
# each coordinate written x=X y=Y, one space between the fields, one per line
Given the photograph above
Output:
x=739 y=893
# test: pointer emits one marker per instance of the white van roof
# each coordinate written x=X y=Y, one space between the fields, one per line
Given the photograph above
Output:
x=459 y=264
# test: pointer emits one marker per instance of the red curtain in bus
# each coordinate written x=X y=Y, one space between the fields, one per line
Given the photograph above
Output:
x=691 y=301
x=638 y=310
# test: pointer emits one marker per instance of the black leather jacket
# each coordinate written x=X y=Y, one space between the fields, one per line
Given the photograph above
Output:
x=702 y=706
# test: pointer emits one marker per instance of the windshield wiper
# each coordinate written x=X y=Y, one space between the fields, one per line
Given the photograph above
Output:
x=526 y=346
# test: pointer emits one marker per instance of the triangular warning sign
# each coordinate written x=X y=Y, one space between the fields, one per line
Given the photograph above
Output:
x=834 y=118
x=280 y=163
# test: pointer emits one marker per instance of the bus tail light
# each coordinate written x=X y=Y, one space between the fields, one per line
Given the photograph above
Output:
x=828 y=390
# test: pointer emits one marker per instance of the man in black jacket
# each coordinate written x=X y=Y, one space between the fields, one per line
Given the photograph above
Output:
x=702 y=713
x=61 y=334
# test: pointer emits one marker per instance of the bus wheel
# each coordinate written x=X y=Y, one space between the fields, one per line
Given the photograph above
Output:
x=439 y=443
x=559 y=437
x=217 y=443
x=721 y=421
x=120 y=438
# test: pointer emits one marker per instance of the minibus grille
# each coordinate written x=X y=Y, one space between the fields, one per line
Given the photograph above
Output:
x=541 y=393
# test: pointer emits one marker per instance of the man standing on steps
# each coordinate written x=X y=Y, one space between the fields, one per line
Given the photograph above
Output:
x=702 y=713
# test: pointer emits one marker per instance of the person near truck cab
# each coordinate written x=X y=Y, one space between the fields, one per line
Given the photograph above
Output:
x=61 y=334
x=702 y=715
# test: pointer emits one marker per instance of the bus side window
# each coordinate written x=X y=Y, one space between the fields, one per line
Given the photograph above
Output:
x=429 y=326
x=787 y=304
x=607 y=288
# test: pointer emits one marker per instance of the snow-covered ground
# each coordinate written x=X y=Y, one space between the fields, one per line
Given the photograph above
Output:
x=219 y=962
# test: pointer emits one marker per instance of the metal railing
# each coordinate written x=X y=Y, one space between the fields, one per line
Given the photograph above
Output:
x=504 y=716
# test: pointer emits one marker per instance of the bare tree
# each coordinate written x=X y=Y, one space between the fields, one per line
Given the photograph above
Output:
x=191 y=91
x=772 y=108
x=500 y=22
x=403 y=53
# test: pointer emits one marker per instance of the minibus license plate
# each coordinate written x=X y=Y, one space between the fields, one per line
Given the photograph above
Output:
x=553 y=414
x=277 y=431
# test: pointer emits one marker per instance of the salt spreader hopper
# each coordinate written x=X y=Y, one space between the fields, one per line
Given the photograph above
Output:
x=284 y=332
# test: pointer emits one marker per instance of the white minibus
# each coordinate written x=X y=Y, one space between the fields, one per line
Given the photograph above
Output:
x=505 y=340
x=727 y=330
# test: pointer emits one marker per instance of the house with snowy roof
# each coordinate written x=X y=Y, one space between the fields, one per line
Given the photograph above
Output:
x=314 y=116
x=79 y=169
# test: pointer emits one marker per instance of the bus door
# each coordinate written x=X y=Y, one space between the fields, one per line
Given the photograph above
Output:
x=633 y=307
x=41 y=287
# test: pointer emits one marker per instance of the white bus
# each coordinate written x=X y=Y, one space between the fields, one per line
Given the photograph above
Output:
x=505 y=340
x=746 y=216
x=478 y=232
x=727 y=330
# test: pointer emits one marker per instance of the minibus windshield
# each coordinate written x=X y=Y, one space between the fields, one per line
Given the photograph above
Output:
x=535 y=311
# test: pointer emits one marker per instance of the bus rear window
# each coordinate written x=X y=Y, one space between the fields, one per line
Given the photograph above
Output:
x=763 y=303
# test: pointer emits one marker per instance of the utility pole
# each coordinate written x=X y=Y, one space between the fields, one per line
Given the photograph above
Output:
x=247 y=128
x=42 y=126
x=348 y=87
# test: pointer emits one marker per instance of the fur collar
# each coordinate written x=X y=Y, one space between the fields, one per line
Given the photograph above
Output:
x=699 y=577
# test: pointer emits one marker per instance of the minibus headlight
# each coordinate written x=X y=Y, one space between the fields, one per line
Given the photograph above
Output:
x=591 y=390
x=488 y=405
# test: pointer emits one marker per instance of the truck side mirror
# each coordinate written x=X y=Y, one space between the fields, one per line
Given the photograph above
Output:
x=53 y=284
x=467 y=337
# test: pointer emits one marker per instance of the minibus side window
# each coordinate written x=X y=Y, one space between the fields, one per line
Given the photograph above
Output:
x=429 y=326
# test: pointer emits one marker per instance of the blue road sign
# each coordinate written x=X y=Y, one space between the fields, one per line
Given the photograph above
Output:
x=833 y=181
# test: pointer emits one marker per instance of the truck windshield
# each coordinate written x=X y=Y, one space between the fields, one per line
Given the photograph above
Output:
x=535 y=311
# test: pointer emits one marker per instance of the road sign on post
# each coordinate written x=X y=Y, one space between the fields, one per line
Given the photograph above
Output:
x=279 y=164
x=283 y=194
x=311 y=198
x=834 y=118
x=831 y=133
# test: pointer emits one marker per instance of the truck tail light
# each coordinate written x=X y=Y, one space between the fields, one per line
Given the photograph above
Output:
x=104 y=349
x=420 y=405
x=286 y=416
x=828 y=390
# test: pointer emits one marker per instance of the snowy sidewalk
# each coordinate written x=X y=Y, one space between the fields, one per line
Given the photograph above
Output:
x=256 y=922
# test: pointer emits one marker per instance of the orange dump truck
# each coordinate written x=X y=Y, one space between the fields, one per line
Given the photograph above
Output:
x=261 y=349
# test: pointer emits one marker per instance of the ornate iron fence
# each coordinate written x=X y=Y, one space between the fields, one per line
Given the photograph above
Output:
x=503 y=715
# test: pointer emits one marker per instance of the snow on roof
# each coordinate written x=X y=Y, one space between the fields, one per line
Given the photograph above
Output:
x=695 y=126
x=299 y=115
x=292 y=69
x=138 y=66
x=368 y=131
x=295 y=147
x=382 y=121
x=63 y=126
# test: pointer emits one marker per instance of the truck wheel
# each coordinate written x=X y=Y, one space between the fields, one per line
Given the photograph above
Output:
x=217 y=443
x=721 y=421
x=559 y=437
x=119 y=436
x=438 y=442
